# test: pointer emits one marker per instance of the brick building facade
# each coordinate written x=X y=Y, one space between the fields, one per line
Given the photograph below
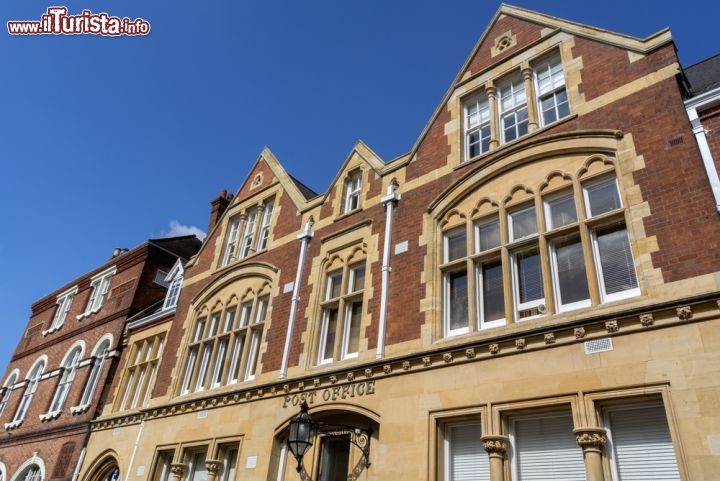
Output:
x=529 y=293
x=61 y=371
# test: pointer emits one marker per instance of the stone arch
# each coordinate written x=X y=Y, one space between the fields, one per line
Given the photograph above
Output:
x=35 y=460
x=102 y=466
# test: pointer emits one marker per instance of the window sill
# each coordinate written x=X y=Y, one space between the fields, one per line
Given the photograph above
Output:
x=50 y=416
x=347 y=214
x=88 y=314
x=235 y=262
x=79 y=409
x=51 y=330
x=508 y=145
x=13 y=425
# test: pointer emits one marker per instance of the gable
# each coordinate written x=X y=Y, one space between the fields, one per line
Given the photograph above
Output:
x=506 y=36
x=260 y=176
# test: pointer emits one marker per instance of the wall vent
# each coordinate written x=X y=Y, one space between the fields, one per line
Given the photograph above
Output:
x=603 y=344
x=160 y=278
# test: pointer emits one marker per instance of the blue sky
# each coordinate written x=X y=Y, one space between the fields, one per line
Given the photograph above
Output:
x=105 y=142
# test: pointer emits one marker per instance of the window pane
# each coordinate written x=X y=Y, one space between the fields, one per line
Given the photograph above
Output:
x=334 y=459
x=353 y=328
x=455 y=244
x=334 y=283
x=229 y=464
x=493 y=302
x=530 y=286
x=561 y=211
x=616 y=262
x=571 y=277
x=253 y=354
x=488 y=235
x=603 y=197
x=357 y=279
x=457 y=300
x=330 y=328
x=199 y=470
x=523 y=223
x=466 y=457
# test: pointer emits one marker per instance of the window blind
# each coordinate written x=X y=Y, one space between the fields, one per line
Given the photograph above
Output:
x=466 y=457
x=618 y=269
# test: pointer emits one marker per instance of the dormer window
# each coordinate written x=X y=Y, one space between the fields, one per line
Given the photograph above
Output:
x=100 y=285
x=477 y=126
x=64 y=302
x=552 y=95
x=353 y=187
x=175 y=278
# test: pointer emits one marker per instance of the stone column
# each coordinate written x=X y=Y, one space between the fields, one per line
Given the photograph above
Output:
x=491 y=93
x=496 y=447
x=533 y=120
x=177 y=470
x=592 y=441
x=213 y=467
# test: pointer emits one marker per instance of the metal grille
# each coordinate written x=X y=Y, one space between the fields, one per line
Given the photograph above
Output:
x=598 y=345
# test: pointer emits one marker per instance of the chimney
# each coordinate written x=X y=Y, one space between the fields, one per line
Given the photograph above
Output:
x=118 y=251
x=219 y=206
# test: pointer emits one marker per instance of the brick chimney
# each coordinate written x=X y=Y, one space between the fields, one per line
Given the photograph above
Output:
x=219 y=206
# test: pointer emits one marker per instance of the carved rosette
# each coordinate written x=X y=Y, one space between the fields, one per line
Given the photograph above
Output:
x=612 y=326
x=406 y=365
x=647 y=319
x=470 y=353
x=549 y=338
x=448 y=357
x=387 y=369
x=520 y=343
x=213 y=466
x=590 y=438
x=350 y=376
x=494 y=348
x=495 y=445
x=333 y=379
x=427 y=362
x=684 y=313
x=579 y=332
x=368 y=372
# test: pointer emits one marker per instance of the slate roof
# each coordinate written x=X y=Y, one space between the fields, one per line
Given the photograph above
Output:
x=704 y=75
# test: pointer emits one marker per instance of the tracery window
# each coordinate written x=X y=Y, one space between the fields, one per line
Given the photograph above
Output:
x=342 y=308
x=548 y=249
x=225 y=343
x=140 y=374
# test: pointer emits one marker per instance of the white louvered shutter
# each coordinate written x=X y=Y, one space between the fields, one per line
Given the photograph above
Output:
x=642 y=447
x=467 y=459
x=546 y=449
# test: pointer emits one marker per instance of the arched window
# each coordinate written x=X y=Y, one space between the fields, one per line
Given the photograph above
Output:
x=70 y=365
x=226 y=339
x=33 y=379
x=100 y=354
x=6 y=391
x=30 y=473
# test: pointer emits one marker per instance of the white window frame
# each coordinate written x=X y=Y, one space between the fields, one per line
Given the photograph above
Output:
x=353 y=189
x=563 y=194
x=477 y=99
x=612 y=461
x=510 y=83
x=266 y=222
x=7 y=390
x=231 y=242
x=511 y=228
x=446 y=243
x=480 y=301
x=480 y=224
x=600 y=180
x=324 y=335
x=446 y=305
x=100 y=285
x=345 y=354
x=173 y=292
x=516 y=287
x=64 y=303
x=547 y=62
x=189 y=368
x=446 y=443
x=560 y=307
x=248 y=233
x=69 y=371
x=100 y=354
x=33 y=379
x=604 y=296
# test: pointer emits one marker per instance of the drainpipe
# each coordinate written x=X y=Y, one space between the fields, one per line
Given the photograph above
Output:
x=135 y=448
x=304 y=238
x=706 y=154
x=389 y=202
x=81 y=458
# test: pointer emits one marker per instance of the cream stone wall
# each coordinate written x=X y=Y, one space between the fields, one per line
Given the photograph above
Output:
x=678 y=364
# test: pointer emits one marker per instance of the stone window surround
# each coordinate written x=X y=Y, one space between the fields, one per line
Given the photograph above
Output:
x=239 y=213
x=588 y=420
x=214 y=449
x=96 y=282
x=537 y=196
x=64 y=303
x=490 y=91
x=147 y=363
x=258 y=288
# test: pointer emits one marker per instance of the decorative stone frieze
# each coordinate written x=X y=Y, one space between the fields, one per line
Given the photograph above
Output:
x=333 y=379
x=612 y=326
x=427 y=362
x=350 y=376
x=579 y=332
x=647 y=319
x=470 y=353
x=368 y=372
x=448 y=357
x=494 y=348
x=549 y=338
x=520 y=343
x=387 y=369
x=406 y=365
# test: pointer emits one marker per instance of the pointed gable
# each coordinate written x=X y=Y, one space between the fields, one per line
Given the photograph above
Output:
x=505 y=35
